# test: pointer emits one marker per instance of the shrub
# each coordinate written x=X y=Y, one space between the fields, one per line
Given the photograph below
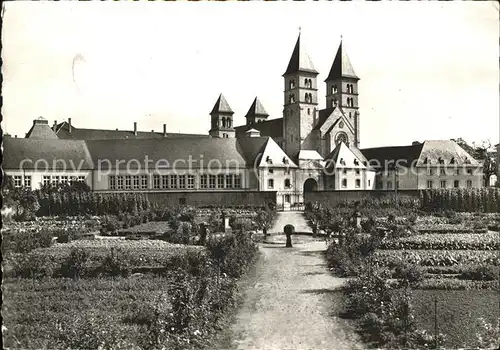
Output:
x=110 y=225
x=65 y=236
x=33 y=266
x=409 y=274
x=348 y=256
x=116 y=263
x=26 y=241
x=481 y=272
x=76 y=264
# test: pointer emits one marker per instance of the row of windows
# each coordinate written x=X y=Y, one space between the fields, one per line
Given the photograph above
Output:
x=431 y=172
x=175 y=182
x=54 y=179
x=350 y=102
x=356 y=171
x=223 y=122
x=270 y=183
x=430 y=184
x=307 y=83
x=128 y=182
x=18 y=181
x=444 y=184
x=357 y=183
x=440 y=160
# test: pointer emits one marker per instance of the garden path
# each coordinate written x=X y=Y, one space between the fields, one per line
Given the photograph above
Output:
x=292 y=302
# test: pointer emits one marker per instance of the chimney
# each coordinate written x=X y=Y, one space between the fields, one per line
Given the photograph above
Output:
x=69 y=125
x=164 y=130
x=55 y=125
x=135 y=128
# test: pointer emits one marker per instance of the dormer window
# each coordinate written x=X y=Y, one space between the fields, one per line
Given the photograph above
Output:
x=467 y=160
x=285 y=160
x=426 y=160
x=356 y=162
x=441 y=160
x=269 y=160
x=342 y=161
x=452 y=161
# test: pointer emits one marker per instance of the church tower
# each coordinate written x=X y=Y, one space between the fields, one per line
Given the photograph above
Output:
x=222 y=119
x=342 y=90
x=300 y=101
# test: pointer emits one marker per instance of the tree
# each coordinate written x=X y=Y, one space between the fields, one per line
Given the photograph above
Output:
x=485 y=153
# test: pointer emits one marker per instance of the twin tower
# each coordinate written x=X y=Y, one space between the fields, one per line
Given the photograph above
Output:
x=301 y=113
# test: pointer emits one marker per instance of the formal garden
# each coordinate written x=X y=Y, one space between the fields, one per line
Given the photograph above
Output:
x=422 y=272
x=89 y=271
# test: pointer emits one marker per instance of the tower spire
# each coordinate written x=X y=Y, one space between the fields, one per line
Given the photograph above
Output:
x=300 y=60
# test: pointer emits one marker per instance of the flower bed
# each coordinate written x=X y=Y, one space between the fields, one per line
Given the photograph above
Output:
x=149 y=228
x=392 y=258
x=445 y=241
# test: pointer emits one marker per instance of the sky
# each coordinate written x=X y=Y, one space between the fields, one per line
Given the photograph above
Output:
x=429 y=70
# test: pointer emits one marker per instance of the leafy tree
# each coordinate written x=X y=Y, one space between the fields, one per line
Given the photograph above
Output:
x=485 y=153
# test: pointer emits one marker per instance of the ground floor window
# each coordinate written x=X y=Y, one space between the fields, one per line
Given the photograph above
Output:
x=270 y=183
x=112 y=182
x=46 y=180
x=190 y=181
x=456 y=184
x=27 y=181
x=156 y=182
x=287 y=198
x=220 y=181
x=144 y=182
x=358 y=183
x=229 y=181
x=429 y=184
x=18 y=181
x=344 y=183
x=237 y=181
x=211 y=181
x=203 y=181
x=469 y=183
x=389 y=185
x=443 y=183
x=182 y=181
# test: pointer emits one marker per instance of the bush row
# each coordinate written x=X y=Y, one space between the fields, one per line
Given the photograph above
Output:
x=461 y=199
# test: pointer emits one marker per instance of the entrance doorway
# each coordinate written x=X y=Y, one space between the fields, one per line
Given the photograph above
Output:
x=310 y=185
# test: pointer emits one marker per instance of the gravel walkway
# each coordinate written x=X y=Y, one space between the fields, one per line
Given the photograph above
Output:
x=292 y=302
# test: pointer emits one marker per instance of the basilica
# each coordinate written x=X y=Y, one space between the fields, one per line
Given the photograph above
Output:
x=310 y=148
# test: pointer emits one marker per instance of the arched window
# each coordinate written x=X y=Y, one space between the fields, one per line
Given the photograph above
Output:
x=456 y=184
x=291 y=98
x=334 y=89
x=350 y=116
x=228 y=122
x=344 y=183
x=308 y=98
x=389 y=185
x=335 y=102
x=287 y=183
x=309 y=111
x=292 y=84
x=270 y=183
x=308 y=83
x=223 y=122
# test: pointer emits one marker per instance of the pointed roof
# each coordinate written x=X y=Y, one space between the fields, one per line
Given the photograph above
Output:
x=256 y=109
x=221 y=106
x=341 y=67
x=300 y=60
x=41 y=130
x=344 y=157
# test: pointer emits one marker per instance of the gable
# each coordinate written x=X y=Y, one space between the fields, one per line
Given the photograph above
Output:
x=274 y=156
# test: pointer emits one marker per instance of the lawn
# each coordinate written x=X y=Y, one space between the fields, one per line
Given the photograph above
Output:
x=458 y=313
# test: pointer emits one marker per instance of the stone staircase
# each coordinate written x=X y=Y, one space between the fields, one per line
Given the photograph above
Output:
x=295 y=218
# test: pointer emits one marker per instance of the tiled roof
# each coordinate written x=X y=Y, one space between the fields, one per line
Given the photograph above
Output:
x=429 y=152
x=252 y=148
x=71 y=154
x=221 y=106
x=274 y=156
x=300 y=60
x=323 y=115
x=382 y=155
x=309 y=155
x=101 y=134
x=165 y=152
x=272 y=128
x=446 y=150
x=256 y=109
x=41 y=130
x=344 y=157
x=341 y=67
